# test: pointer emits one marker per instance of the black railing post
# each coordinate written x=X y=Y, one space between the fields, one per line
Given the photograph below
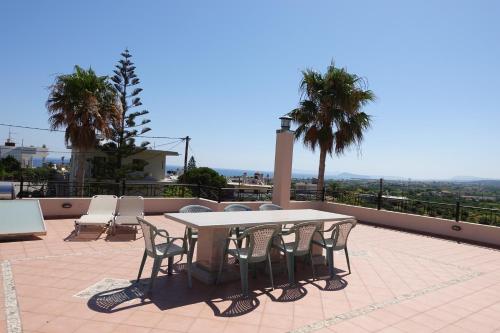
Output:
x=124 y=187
x=457 y=212
x=219 y=195
x=199 y=191
x=21 y=186
x=323 y=194
x=379 y=198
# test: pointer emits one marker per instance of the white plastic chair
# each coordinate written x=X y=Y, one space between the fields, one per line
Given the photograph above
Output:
x=269 y=207
x=192 y=233
x=301 y=246
x=257 y=250
x=129 y=208
x=101 y=212
x=160 y=245
x=337 y=241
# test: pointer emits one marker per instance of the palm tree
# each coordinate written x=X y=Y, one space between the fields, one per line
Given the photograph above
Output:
x=329 y=115
x=85 y=105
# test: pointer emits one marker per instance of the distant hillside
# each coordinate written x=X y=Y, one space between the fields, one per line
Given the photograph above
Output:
x=470 y=179
x=347 y=175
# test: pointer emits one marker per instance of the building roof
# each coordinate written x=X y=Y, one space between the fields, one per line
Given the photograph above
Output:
x=166 y=152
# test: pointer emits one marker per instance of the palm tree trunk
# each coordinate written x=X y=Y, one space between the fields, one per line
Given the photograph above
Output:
x=321 y=172
x=80 y=173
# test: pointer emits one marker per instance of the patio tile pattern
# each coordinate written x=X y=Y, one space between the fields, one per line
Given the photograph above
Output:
x=400 y=282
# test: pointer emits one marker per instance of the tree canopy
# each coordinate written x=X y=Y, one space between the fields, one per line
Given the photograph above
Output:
x=329 y=115
x=191 y=164
x=122 y=142
x=203 y=176
x=85 y=105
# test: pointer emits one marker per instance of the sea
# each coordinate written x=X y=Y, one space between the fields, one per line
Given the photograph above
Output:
x=223 y=171
x=250 y=172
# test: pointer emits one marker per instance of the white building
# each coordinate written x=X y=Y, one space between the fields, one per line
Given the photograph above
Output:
x=24 y=155
x=154 y=170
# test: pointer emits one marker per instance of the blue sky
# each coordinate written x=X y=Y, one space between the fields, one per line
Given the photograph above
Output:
x=223 y=72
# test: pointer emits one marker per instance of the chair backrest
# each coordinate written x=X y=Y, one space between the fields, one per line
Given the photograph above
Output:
x=304 y=233
x=194 y=209
x=237 y=208
x=270 y=207
x=102 y=205
x=149 y=231
x=131 y=206
x=260 y=240
x=341 y=232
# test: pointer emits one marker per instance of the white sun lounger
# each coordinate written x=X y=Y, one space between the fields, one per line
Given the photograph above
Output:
x=129 y=208
x=101 y=212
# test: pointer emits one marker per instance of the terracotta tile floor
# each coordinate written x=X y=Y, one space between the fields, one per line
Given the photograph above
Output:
x=400 y=282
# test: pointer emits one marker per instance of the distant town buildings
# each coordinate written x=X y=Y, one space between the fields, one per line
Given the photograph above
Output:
x=24 y=155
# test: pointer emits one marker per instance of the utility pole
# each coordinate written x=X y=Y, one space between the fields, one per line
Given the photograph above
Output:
x=187 y=138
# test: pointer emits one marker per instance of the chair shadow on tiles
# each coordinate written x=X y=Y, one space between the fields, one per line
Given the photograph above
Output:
x=123 y=234
x=87 y=233
x=224 y=300
x=288 y=292
x=117 y=299
x=335 y=283
x=234 y=305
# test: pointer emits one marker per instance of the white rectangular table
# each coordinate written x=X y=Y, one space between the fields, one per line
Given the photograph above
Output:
x=213 y=229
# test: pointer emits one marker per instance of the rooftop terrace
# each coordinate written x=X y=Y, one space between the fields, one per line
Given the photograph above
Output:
x=400 y=282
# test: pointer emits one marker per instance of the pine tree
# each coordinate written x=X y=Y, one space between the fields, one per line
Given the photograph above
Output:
x=191 y=164
x=126 y=129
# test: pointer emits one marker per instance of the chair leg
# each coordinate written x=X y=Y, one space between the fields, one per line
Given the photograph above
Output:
x=312 y=265
x=221 y=267
x=270 y=270
x=244 y=276
x=192 y=245
x=290 y=263
x=189 y=265
x=142 y=265
x=329 y=257
x=347 y=259
x=254 y=271
x=239 y=242
x=154 y=273
x=170 y=265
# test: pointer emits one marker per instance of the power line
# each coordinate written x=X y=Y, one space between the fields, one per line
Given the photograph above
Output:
x=55 y=130
x=158 y=137
x=168 y=143
x=32 y=128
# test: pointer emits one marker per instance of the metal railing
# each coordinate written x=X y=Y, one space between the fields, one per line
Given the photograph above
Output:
x=157 y=190
x=457 y=211
x=453 y=211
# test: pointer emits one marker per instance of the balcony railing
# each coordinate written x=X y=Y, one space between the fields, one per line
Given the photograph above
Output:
x=153 y=190
x=457 y=211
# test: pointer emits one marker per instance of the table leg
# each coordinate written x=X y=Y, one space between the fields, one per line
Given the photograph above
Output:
x=209 y=251
x=210 y=247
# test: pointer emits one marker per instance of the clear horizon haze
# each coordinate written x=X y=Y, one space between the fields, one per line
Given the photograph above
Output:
x=223 y=72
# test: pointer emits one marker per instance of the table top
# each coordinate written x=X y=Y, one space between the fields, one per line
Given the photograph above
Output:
x=21 y=217
x=249 y=218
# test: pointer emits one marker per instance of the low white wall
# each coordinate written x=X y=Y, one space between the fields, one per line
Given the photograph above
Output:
x=167 y=205
x=432 y=225
x=306 y=205
x=53 y=207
